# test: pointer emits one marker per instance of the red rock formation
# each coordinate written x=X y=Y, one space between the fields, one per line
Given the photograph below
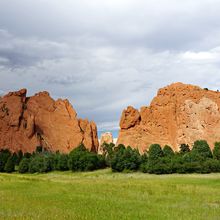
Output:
x=27 y=122
x=179 y=113
x=105 y=138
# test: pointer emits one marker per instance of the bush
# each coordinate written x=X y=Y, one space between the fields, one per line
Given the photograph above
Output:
x=108 y=152
x=161 y=166
x=184 y=148
x=4 y=155
x=24 y=165
x=168 y=151
x=27 y=155
x=155 y=152
x=211 y=165
x=20 y=156
x=15 y=158
x=37 y=164
x=125 y=159
x=62 y=163
x=10 y=165
x=39 y=149
x=202 y=149
x=80 y=159
x=216 y=151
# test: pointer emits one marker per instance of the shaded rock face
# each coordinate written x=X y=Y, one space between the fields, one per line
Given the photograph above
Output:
x=179 y=114
x=27 y=122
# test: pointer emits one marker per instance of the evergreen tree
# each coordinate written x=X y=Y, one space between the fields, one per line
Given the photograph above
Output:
x=168 y=151
x=4 y=155
x=24 y=165
x=20 y=156
x=216 y=151
x=62 y=163
x=155 y=152
x=10 y=165
x=125 y=159
x=184 y=148
x=202 y=149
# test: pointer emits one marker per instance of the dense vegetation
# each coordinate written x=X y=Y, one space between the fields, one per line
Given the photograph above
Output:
x=157 y=160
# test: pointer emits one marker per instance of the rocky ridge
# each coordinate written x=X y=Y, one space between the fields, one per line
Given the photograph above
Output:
x=180 y=113
x=27 y=122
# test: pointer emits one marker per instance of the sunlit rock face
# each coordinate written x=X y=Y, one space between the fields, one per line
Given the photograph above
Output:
x=27 y=122
x=179 y=114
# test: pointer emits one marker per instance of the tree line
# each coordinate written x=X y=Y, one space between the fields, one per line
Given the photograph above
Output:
x=157 y=160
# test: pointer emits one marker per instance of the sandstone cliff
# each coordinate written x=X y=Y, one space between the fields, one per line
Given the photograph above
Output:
x=107 y=138
x=179 y=113
x=27 y=122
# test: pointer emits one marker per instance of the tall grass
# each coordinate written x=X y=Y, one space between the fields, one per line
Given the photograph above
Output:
x=106 y=195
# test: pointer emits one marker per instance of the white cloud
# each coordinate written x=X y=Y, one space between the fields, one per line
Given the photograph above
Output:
x=105 y=55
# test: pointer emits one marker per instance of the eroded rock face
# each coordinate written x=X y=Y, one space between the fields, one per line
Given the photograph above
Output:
x=105 y=138
x=179 y=113
x=27 y=122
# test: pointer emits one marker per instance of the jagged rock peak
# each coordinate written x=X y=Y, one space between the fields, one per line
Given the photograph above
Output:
x=180 y=113
x=27 y=122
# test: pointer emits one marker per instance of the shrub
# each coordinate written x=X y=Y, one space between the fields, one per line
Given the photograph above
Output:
x=37 y=164
x=216 y=151
x=10 y=165
x=15 y=158
x=4 y=155
x=144 y=163
x=24 y=165
x=62 y=163
x=125 y=159
x=161 y=166
x=168 y=151
x=39 y=149
x=155 y=152
x=211 y=165
x=20 y=156
x=184 y=148
x=27 y=155
x=80 y=159
x=108 y=152
x=202 y=149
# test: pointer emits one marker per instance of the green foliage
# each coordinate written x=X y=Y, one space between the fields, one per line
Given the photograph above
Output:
x=27 y=155
x=80 y=159
x=125 y=159
x=24 y=165
x=20 y=156
x=108 y=152
x=62 y=163
x=155 y=152
x=39 y=149
x=202 y=149
x=10 y=165
x=216 y=151
x=4 y=155
x=37 y=164
x=15 y=158
x=184 y=148
x=168 y=151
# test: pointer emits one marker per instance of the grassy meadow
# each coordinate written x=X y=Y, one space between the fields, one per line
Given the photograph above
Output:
x=105 y=195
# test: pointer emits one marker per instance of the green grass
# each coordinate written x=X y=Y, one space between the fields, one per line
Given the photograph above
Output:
x=106 y=195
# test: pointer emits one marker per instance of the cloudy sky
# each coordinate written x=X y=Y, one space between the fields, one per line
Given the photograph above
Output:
x=104 y=55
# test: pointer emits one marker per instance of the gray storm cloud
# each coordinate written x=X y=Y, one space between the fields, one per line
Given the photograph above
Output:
x=105 y=55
